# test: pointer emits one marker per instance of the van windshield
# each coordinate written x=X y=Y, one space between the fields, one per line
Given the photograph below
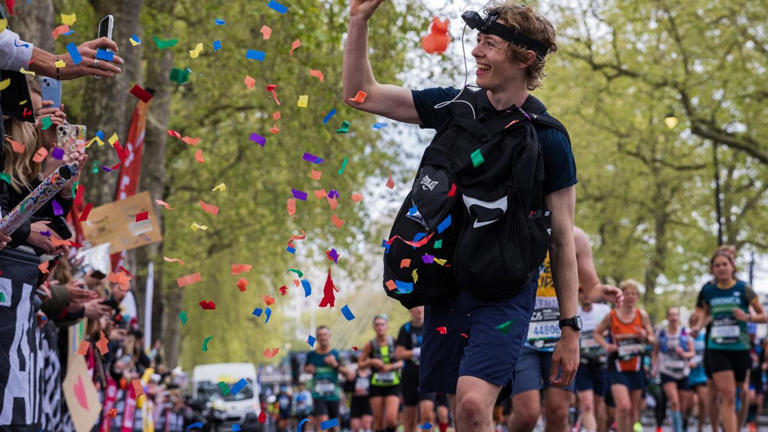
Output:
x=210 y=390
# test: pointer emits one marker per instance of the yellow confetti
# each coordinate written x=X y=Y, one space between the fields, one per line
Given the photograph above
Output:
x=26 y=72
x=196 y=227
x=113 y=139
x=303 y=100
x=440 y=261
x=3 y=23
x=415 y=276
x=96 y=140
x=23 y=102
x=222 y=187
x=68 y=19
x=134 y=42
x=196 y=52
x=60 y=64
x=5 y=83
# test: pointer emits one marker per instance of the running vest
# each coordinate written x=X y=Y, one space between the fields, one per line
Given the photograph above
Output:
x=362 y=384
x=386 y=354
x=727 y=333
x=629 y=356
x=544 y=328
x=416 y=334
x=325 y=382
x=592 y=353
x=670 y=362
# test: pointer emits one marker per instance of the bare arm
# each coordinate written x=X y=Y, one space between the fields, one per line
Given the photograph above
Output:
x=365 y=361
x=599 y=332
x=651 y=336
x=389 y=101
x=588 y=279
x=401 y=353
x=655 y=357
x=698 y=320
x=759 y=315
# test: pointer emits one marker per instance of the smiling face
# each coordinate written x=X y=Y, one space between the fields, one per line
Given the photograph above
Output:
x=496 y=70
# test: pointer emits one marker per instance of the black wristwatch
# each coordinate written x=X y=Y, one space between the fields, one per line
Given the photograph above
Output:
x=574 y=323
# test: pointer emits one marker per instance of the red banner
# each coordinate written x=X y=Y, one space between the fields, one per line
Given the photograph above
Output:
x=130 y=169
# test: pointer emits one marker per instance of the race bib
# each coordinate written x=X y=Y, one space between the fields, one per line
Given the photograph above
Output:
x=362 y=384
x=630 y=349
x=726 y=331
x=325 y=387
x=676 y=365
x=385 y=377
x=544 y=330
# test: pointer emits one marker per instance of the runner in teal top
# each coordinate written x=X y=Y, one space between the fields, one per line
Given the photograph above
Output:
x=731 y=304
x=323 y=364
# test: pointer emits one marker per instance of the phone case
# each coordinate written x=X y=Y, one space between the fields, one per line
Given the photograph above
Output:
x=69 y=137
x=51 y=90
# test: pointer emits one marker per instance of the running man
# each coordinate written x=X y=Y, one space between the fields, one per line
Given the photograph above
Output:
x=360 y=414
x=323 y=364
x=630 y=330
x=730 y=303
x=384 y=392
x=592 y=377
x=417 y=406
x=697 y=380
x=511 y=52
x=671 y=355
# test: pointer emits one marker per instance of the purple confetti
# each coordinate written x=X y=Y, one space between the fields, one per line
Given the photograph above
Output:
x=300 y=195
x=309 y=157
x=332 y=254
x=333 y=194
x=45 y=233
x=57 y=153
x=428 y=259
x=258 y=139
x=57 y=210
x=106 y=168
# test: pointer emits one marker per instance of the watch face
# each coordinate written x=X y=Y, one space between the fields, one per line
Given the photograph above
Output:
x=579 y=324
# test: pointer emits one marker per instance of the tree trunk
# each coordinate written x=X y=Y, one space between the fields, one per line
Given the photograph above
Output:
x=34 y=23
x=109 y=105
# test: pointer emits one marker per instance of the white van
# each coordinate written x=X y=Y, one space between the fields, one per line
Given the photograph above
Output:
x=205 y=385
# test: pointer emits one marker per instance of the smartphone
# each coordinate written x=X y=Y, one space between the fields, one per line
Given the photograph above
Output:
x=105 y=26
x=69 y=137
x=51 y=91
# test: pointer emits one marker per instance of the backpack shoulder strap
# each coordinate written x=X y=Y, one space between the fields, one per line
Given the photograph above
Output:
x=550 y=122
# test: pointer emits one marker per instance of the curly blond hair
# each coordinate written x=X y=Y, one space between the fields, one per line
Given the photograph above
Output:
x=526 y=20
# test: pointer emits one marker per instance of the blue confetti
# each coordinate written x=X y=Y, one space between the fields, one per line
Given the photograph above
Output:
x=385 y=245
x=257 y=312
x=347 y=313
x=426 y=426
x=290 y=250
x=74 y=53
x=68 y=33
x=235 y=427
x=444 y=224
x=267 y=313
x=238 y=386
x=311 y=341
x=329 y=424
x=301 y=423
x=216 y=45
x=307 y=287
x=105 y=55
x=220 y=22
x=379 y=125
x=278 y=7
x=198 y=425
x=255 y=55
x=100 y=134
x=404 y=287
x=328 y=117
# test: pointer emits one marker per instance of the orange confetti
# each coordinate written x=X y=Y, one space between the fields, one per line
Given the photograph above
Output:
x=318 y=74
x=199 y=156
x=357 y=197
x=359 y=97
x=332 y=202
x=209 y=208
x=336 y=221
x=242 y=284
x=269 y=300
x=40 y=155
x=102 y=344
x=317 y=175
x=188 y=280
x=275 y=130
x=59 y=242
x=269 y=353
x=17 y=146
x=112 y=413
x=60 y=30
x=191 y=141
x=173 y=260
x=405 y=263
x=44 y=267
x=291 y=206
x=294 y=45
x=163 y=203
x=390 y=182
x=320 y=193
x=240 y=268
x=391 y=285
x=266 y=32
x=249 y=81
x=83 y=348
x=277 y=115
x=438 y=38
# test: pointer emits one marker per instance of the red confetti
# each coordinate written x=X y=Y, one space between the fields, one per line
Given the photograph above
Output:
x=269 y=353
x=240 y=268
x=207 y=305
x=442 y=330
x=269 y=300
x=242 y=284
x=209 y=208
x=188 y=280
x=283 y=290
x=262 y=417
x=174 y=134
x=452 y=192
x=140 y=93
x=329 y=297
x=142 y=216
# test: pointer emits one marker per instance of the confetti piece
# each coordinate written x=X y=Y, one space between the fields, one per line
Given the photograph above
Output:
x=405 y=263
x=258 y=139
x=452 y=192
x=195 y=227
x=317 y=74
x=238 y=386
x=60 y=64
x=299 y=273
x=428 y=259
x=140 y=93
x=438 y=244
x=57 y=210
x=359 y=97
x=41 y=153
x=294 y=45
x=328 y=116
x=164 y=204
x=142 y=216
x=43 y=267
x=183 y=317
x=300 y=195
x=26 y=72
x=179 y=76
x=477 y=158
x=303 y=101
x=4 y=85
x=347 y=313
x=68 y=19
x=356 y=197
x=164 y=43
x=504 y=327
x=283 y=290
x=390 y=182
x=332 y=255
x=257 y=312
x=262 y=417
x=242 y=284
x=437 y=40
x=277 y=7
x=191 y=141
x=336 y=221
x=83 y=348
x=291 y=206
x=268 y=299
x=86 y=212
x=255 y=55
x=240 y=268
x=199 y=156
x=343 y=165
x=137 y=388
x=404 y=287
x=224 y=388
x=249 y=81
x=267 y=313
x=311 y=341
x=220 y=187
x=74 y=53
x=307 y=287
x=209 y=208
x=272 y=88
x=104 y=55
x=216 y=45
x=60 y=30
x=444 y=224
x=197 y=425
x=135 y=41
x=344 y=127
x=317 y=175
x=426 y=426
x=309 y=157
x=195 y=53
x=207 y=305
x=173 y=260
x=188 y=280
x=320 y=193
x=266 y=32
x=378 y=126
x=205 y=348
x=46 y=122
x=102 y=344
x=391 y=285
x=219 y=21
x=334 y=422
x=442 y=330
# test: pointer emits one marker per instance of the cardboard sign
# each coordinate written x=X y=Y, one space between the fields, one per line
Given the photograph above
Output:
x=79 y=391
x=117 y=223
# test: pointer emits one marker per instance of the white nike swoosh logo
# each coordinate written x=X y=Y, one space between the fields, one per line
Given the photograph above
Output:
x=477 y=224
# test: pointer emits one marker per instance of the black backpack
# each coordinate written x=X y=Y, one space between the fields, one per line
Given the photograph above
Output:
x=475 y=217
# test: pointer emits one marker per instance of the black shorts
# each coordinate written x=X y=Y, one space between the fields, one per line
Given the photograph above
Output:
x=756 y=380
x=409 y=385
x=359 y=406
x=284 y=414
x=323 y=407
x=592 y=377
x=441 y=399
x=726 y=360
x=682 y=383
x=376 y=391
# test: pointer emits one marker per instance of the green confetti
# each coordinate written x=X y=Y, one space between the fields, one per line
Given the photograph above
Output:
x=179 y=76
x=46 y=122
x=438 y=244
x=477 y=158
x=504 y=328
x=298 y=272
x=5 y=177
x=344 y=127
x=74 y=188
x=2 y=297
x=95 y=167
x=343 y=165
x=183 y=317
x=224 y=388
x=164 y=43
x=205 y=343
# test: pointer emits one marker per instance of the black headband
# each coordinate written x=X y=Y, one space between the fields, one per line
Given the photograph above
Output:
x=490 y=26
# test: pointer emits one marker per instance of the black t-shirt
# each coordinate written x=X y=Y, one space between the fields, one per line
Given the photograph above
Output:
x=409 y=337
